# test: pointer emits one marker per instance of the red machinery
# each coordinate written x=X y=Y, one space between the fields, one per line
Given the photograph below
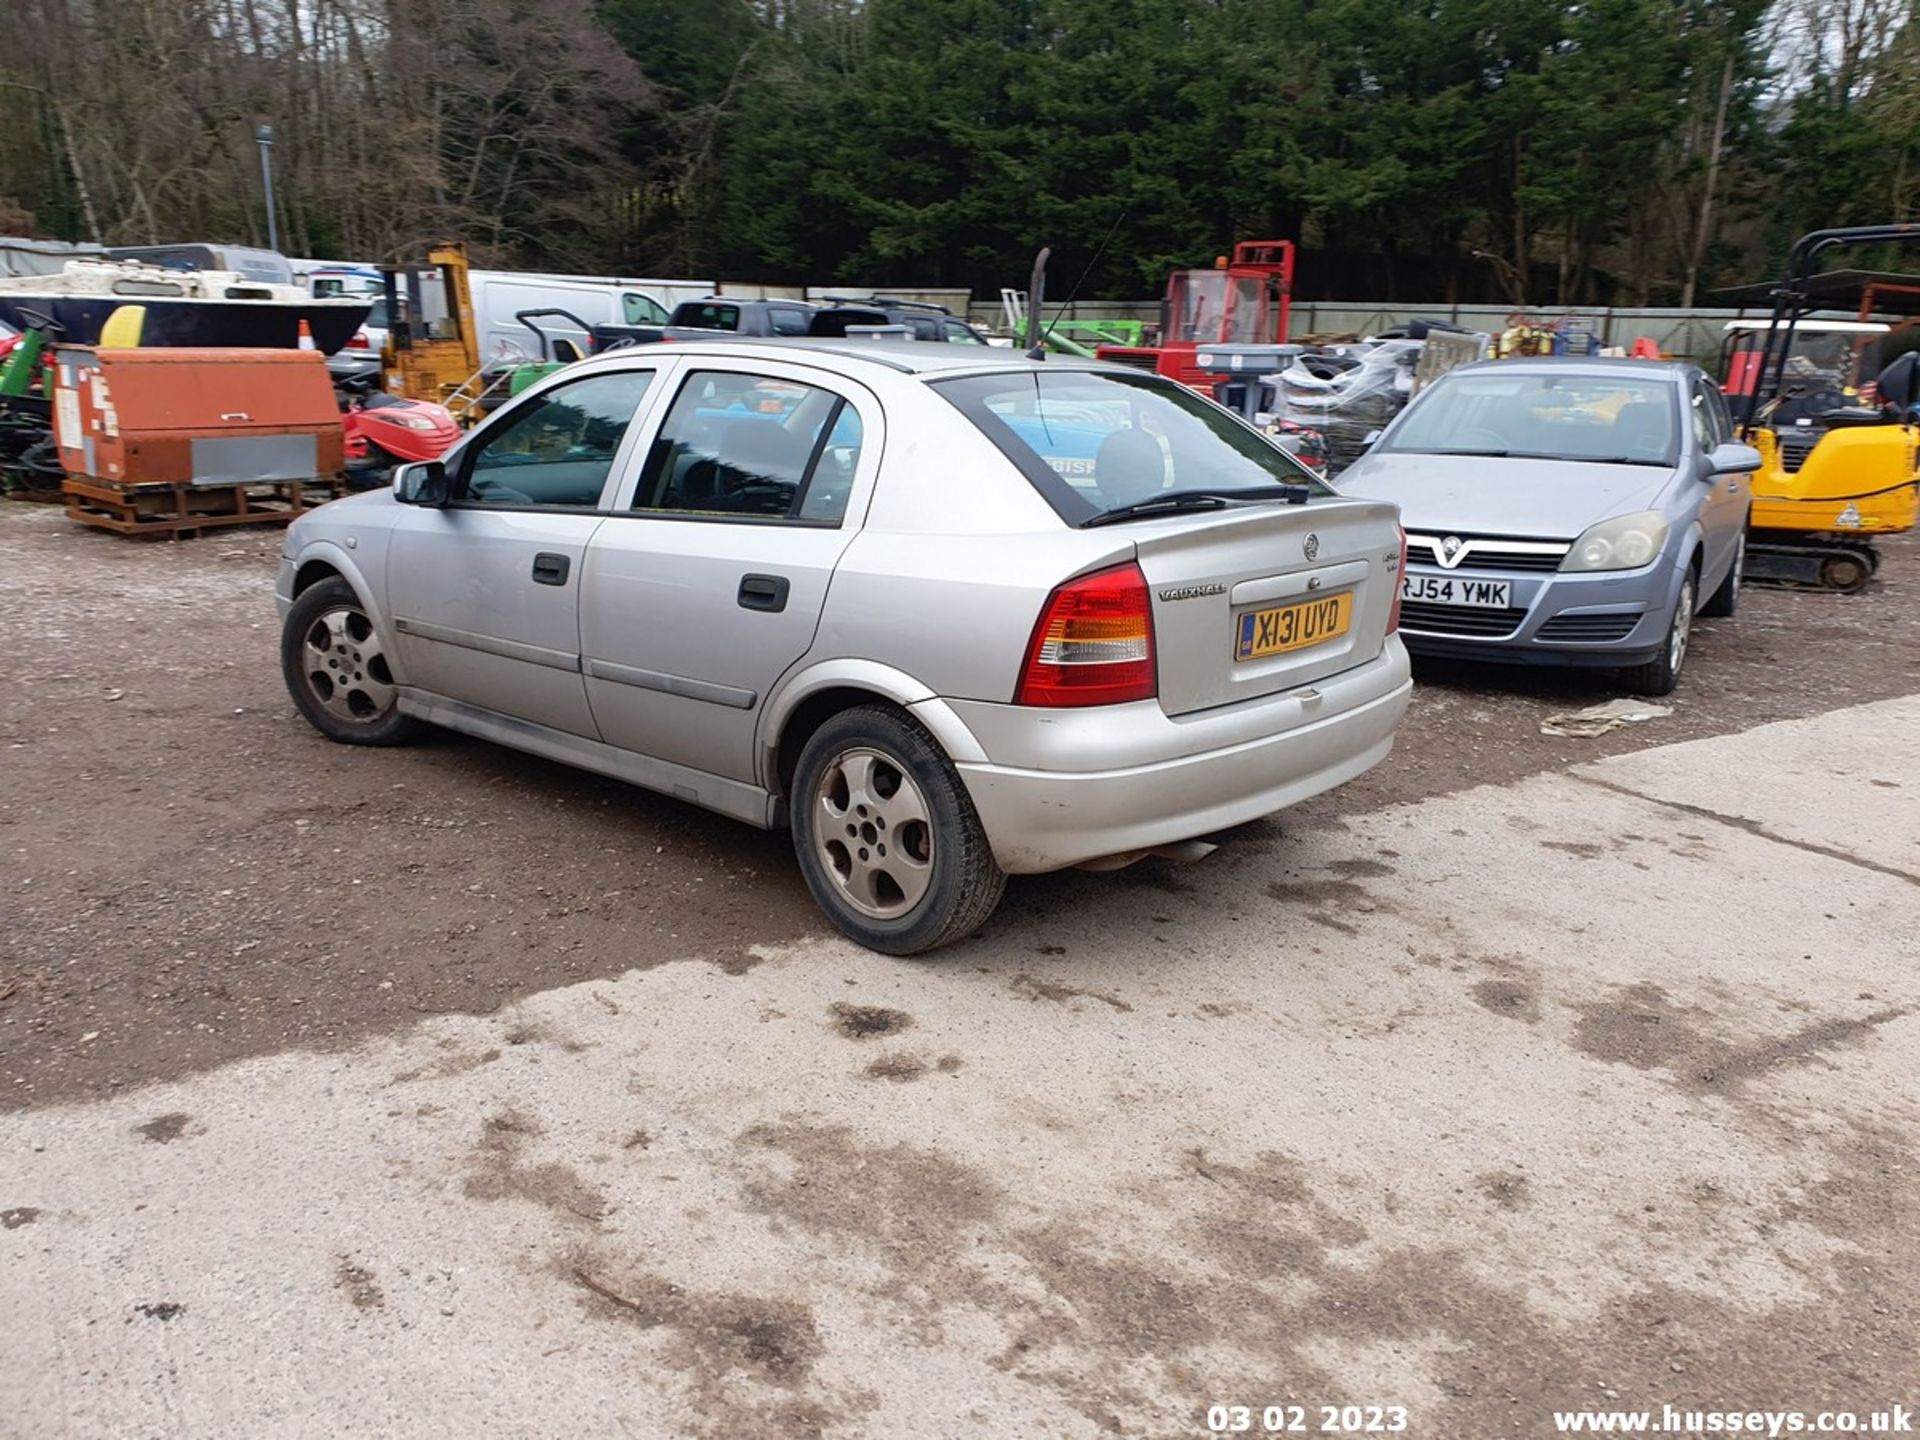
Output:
x=172 y=440
x=1245 y=301
x=383 y=431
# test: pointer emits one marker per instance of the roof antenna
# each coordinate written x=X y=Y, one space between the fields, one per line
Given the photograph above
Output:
x=1038 y=346
x=1037 y=297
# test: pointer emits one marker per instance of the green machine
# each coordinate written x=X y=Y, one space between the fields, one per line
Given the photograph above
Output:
x=29 y=460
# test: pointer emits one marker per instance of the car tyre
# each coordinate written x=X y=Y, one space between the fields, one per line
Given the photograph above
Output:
x=887 y=837
x=334 y=661
x=1659 y=675
x=1724 y=601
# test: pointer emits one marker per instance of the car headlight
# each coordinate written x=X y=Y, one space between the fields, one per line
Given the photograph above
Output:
x=1625 y=542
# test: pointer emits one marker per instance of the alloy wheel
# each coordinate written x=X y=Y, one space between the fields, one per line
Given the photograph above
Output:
x=1682 y=627
x=873 y=832
x=345 y=668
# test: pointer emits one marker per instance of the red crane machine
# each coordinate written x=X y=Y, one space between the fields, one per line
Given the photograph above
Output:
x=1244 y=300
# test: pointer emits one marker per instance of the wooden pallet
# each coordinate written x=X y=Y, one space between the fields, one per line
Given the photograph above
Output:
x=178 y=510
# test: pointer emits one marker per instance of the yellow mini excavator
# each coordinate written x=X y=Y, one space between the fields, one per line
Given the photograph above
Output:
x=1836 y=470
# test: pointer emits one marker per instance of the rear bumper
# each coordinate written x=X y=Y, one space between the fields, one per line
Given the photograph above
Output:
x=1234 y=765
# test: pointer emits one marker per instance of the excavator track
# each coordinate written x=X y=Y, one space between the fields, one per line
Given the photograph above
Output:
x=1842 y=566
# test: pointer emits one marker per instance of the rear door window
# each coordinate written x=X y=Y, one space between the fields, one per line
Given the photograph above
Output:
x=708 y=317
x=784 y=320
x=744 y=446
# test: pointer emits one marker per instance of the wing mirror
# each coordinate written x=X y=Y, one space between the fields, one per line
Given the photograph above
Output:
x=1732 y=459
x=1899 y=383
x=422 y=483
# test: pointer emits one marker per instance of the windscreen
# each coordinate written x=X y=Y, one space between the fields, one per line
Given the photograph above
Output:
x=1092 y=442
x=1196 y=305
x=1611 y=419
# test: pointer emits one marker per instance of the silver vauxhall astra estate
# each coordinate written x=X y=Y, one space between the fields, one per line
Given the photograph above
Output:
x=947 y=614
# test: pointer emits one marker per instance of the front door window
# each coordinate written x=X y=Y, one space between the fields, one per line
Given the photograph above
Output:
x=557 y=450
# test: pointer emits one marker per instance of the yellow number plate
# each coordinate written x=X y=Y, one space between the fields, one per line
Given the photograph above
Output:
x=1292 y=627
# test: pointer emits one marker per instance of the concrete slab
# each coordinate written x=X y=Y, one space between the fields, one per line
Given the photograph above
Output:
x=1534 y=1097
x=1843 y=781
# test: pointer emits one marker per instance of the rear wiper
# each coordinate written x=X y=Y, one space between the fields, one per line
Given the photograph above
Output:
x=1172 y=501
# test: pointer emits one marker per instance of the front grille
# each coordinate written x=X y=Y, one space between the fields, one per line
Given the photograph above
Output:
x=1590 y=628
x=1488 y=552
x=1796 y=444
x=1458 y=620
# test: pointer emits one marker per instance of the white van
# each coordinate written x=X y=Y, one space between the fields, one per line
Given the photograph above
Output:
x=500 y=295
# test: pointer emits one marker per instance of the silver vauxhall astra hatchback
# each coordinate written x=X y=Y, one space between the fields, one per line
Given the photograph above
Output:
x=947 y=614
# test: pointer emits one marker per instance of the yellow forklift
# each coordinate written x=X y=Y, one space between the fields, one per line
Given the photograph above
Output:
x=1836 y=471
x=432 y=350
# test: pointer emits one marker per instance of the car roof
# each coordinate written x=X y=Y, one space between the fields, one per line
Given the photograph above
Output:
x=745 y=300
x=1611 y=365
x=928 y=358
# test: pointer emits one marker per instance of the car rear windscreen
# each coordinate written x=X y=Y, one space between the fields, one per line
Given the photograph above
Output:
x=1093 y=441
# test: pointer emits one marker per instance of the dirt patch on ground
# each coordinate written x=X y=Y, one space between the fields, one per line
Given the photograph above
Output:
x=740 y=1354
x=1642 y=1027
x=501 y=1171
x=164 y=1129
x=1031 y=988
x=1253 y=1271
x=1506 y=1188
x=1514 y=999
x=863 y=1022
x=358 y=1284
x=899 y=1068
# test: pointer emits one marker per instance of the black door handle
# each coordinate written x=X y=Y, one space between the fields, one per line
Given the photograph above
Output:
x=550 y=569
x=763 y=592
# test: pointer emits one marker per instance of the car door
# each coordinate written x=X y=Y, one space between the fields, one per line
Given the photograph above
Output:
x=1723 y=506
x=484 y=592
x=707 y=582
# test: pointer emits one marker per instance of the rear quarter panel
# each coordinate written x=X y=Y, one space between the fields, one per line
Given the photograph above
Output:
x=956 y=556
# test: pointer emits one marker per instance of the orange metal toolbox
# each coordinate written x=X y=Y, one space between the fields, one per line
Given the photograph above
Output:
x=199 y=417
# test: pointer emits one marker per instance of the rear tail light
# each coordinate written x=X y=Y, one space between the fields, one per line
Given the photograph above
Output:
x=1093 y=644
x=360 y=341
x=1399 y=584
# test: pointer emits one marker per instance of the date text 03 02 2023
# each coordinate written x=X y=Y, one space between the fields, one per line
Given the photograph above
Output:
x=1307 y=1419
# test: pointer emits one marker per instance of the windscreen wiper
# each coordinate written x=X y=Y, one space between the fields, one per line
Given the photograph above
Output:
x=1170 y=502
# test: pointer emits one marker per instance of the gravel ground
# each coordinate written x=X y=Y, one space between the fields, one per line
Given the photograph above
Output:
x=194 y=876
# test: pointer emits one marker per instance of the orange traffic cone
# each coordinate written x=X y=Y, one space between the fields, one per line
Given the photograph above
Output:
x=306 y=336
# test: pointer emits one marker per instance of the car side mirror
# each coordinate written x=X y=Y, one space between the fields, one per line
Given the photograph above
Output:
x=1367 y=440
x=1733 y=459
x=1899 y=383
x=422 y=483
